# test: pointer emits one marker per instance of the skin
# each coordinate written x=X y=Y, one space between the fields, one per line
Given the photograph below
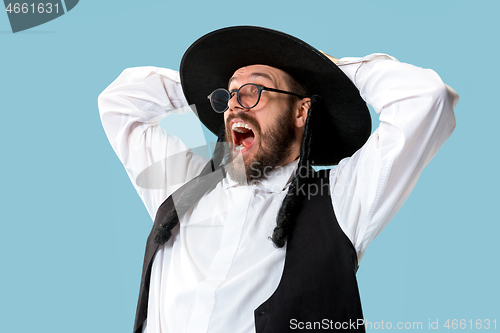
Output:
x=334 y=60
x=270 y=106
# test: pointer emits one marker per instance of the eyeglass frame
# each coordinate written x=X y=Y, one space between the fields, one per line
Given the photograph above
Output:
x=237 y=91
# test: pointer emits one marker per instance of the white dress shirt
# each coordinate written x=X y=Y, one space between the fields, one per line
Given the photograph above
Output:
x=219 y=265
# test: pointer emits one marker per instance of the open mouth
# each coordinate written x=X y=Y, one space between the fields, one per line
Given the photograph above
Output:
x=243 y=136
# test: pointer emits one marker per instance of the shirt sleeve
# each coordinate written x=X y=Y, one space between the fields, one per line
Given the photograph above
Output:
x=416 y=118
x=131 y=109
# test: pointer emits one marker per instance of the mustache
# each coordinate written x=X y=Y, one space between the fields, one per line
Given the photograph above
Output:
x=245 y=117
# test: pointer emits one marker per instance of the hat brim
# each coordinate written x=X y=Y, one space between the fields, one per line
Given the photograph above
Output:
x=341 y=123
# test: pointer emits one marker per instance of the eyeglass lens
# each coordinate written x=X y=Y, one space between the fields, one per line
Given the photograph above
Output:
x=220 y=99
x=248 y=95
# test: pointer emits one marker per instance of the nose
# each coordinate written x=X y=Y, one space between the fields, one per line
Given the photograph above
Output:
x=234 y=105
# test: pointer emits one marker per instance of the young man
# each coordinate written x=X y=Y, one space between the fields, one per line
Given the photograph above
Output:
x=254 y=240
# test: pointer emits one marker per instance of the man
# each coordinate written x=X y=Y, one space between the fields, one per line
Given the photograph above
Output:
x=255 y=240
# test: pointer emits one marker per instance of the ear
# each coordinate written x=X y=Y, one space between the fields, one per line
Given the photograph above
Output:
x=301 y=111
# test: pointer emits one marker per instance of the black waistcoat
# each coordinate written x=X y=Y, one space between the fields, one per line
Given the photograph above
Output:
x=318 y=290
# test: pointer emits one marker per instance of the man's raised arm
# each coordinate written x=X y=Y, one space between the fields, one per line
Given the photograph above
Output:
x=131 y=108
x=416 y=118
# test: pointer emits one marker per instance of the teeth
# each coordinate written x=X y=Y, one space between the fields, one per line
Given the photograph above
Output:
x=240 y=147
x=239 y=125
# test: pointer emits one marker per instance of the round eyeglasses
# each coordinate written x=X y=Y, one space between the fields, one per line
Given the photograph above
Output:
x=248 y=96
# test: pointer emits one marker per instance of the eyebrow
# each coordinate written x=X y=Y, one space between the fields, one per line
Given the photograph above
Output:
x=254 y=75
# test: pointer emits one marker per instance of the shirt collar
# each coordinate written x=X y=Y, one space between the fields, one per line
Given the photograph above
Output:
x=277 y=180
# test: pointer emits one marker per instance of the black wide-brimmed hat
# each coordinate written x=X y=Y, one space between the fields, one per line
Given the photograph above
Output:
x=341 y=122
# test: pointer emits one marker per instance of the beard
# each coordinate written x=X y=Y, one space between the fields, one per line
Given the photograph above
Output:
x=274 y=148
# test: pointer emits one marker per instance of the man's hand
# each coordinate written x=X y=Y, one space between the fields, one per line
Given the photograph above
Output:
x=335 y=60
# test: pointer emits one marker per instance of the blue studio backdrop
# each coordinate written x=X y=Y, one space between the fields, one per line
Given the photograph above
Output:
x=73 y=229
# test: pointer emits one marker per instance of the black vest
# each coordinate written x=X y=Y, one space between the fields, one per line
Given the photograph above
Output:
x=318 y=290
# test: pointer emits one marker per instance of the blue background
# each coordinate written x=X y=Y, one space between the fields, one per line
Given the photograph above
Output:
x=73 y=229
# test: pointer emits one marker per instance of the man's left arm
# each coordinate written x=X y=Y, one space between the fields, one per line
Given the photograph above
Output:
x=416 y=118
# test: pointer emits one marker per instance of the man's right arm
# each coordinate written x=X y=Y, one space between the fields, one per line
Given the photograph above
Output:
x=131 y=109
